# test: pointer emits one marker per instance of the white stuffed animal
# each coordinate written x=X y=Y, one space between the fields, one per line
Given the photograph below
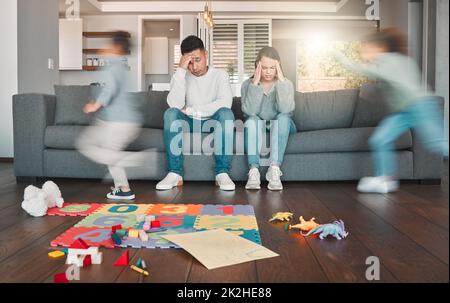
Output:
x=54 y=197
x=38 y=201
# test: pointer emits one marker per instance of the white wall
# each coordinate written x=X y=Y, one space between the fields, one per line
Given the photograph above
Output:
x=105 y=23
x=38 y=41
x=8 y=73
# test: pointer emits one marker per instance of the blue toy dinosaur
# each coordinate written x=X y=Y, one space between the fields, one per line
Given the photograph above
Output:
x=336 y=229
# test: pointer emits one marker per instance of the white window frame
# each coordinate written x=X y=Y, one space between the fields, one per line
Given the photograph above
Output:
x=240 y=23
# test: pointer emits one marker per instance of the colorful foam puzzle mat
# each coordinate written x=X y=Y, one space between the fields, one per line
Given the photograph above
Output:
x=95 y=228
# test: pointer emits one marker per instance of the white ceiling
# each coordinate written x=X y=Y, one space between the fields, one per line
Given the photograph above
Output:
x=88 y=9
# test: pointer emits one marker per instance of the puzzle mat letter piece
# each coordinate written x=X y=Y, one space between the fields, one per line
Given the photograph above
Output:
x=176 y=209
x=154 y=239
x=74 y=209
x=226 y=222
x=172 y=221
x=93 y=236
x=108 y=221
x=221 y=210
x=124 y=209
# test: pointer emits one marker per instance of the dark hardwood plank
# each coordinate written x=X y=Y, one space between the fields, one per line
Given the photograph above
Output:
x=435 y=212
x=31 y=263
x=417 y=228
x=342 y=261
x=385 y=226
x=296 y=262
x=406 y=260
x=163 y=265
x=434 y=193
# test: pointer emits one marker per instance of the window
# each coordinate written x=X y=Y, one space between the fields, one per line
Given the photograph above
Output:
x=317 y=70
x=225 y=49
x=235 y=45
x=176 y=56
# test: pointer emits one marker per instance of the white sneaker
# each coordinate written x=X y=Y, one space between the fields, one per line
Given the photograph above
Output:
x=170 y=181
x=254 y=179
x=273 y=176
x=380 y=185
x=224 y=182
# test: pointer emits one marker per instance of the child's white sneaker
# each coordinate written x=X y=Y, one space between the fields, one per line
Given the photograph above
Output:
x=254 y=179
x=380 y=185
x=170 y=181
x=273 y=176
x=224 y=182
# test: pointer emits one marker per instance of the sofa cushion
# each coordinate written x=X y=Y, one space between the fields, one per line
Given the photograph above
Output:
x=325 y=110
x=65 y=136
x=338 y=140
x=154 y=108
x=70 y=101
x=371 y=107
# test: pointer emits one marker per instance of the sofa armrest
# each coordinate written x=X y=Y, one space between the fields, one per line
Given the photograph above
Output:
x=427 y=165
x=32 y=113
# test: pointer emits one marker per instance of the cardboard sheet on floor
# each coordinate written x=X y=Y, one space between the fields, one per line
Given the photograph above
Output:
x=218 y=248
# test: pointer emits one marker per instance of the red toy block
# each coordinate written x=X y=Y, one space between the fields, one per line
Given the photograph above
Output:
x=80 y=244
x=116 y=227
x=60 y=278
x=123 y=260
x=87 y=261
x=155 y=224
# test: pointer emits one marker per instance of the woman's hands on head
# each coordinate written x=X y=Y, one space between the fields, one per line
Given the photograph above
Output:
x=257 y=74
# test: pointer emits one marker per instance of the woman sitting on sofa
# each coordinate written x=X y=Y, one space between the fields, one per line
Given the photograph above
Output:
x=267 y=97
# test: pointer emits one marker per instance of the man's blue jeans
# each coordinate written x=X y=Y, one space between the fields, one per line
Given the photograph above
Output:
x=176 y=122
x=424 y=117
x=255 y=128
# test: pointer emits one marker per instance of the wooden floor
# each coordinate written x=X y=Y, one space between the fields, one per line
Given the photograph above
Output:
x=408 y=231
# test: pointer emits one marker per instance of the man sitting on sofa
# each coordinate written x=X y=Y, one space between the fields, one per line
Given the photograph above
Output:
x=198 y=94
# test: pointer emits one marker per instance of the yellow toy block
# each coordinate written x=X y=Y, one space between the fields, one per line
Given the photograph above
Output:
x=133 y=233
x=56 y=254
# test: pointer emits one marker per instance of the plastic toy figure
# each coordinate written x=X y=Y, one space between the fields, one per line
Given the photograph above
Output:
x=281 y=216
x=305 y=225
x=335 y=229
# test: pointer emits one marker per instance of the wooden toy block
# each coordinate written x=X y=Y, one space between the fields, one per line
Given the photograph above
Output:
x=56 y=254
x=140 y=218
x=89 y=251
x=87 y=261
x=123 y=260
x=133 y=233
x=75 y=260
x=72 y=259
x=115 y=228
x=155 y=224
x=121 y=232
x=146 y=226
x=60 y=278
x=97 y=258
x=79 y=243
x=139 y=263
x=150 y=218
x=117 y=240
x=143 y=236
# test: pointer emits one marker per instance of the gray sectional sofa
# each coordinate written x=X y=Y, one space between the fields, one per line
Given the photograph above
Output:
x=334 y=128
